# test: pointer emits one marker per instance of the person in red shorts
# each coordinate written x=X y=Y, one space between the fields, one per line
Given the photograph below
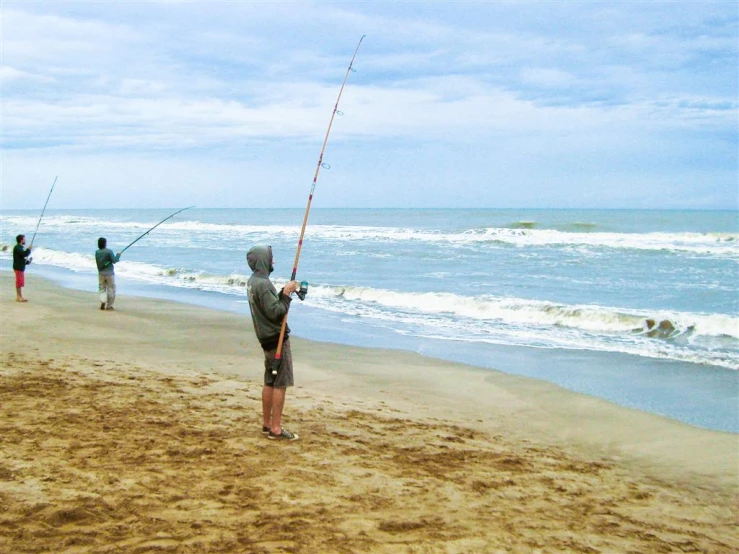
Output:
x=20 y=261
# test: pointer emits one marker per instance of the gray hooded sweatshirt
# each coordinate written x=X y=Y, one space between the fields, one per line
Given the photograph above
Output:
x=268 y=307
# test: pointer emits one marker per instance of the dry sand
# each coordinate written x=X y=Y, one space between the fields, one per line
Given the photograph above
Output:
x=139 y=431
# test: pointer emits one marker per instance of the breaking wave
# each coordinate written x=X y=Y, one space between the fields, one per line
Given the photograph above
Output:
x=521 y=234
x=485 y=307
x=521 y=311
x=694 y=337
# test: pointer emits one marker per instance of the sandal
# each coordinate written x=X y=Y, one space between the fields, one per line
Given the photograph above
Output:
x=284 y=435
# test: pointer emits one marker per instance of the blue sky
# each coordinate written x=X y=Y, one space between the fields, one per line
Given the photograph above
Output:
x=452 y=104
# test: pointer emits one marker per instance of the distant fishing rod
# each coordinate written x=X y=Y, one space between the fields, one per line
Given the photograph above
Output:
x=149 y=231
x=42 y=211
x=304 y=286
x=155 y=226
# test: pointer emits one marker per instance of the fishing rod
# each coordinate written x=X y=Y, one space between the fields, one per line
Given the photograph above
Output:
x=155 y=226
x=303 y=286
x=42 y=211
x=149 y=231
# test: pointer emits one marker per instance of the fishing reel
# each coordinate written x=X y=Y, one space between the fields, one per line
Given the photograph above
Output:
x=303 y=290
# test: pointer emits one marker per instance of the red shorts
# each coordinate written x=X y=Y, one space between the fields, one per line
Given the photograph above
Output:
x=20 y=278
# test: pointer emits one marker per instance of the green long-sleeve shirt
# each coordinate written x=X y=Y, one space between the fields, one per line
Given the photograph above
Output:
x=105 y=258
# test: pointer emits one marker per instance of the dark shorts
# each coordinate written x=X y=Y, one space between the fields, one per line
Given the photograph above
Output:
x=20 y=278
x=284 y=377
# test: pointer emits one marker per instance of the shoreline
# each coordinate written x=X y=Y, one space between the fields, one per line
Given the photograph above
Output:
x=393 y=444
x=652 y=386
x=521 y=393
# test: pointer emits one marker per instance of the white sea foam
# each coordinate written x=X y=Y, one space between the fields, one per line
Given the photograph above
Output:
x=694 y=337
x=83 y=263
x=533 y=312
x=522 y=323
x=712 y=244
x=57 y=222
x=590 y=318
x=84 y=223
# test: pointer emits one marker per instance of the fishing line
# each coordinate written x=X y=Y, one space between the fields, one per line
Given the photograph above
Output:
x=42 y=211
x=319 y=165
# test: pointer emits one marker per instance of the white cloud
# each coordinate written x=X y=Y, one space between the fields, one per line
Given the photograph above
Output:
x=548 y=78
x=547 y=84
x=10 y=74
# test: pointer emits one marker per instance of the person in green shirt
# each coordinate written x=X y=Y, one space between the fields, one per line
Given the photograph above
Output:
x=105 y=259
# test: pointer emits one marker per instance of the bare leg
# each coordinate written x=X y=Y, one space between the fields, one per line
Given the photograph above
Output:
x=278 y=402
x=267 y=405
x=19 y=295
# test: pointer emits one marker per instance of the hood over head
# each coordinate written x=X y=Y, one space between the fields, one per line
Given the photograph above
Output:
x=259 y=259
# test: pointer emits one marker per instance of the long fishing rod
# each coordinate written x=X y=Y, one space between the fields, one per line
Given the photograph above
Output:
x=42 y=211
x=149 y=231
x=278 y=353
x=155 y=226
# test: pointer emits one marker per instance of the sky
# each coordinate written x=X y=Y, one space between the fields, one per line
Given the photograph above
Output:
x=514 y=104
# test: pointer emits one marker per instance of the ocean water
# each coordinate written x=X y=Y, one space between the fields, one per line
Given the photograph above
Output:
x=638 y=307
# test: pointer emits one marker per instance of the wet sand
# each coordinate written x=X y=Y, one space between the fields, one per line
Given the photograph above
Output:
x=139 y=431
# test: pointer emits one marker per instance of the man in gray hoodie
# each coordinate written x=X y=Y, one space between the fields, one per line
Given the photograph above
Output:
x=268 y=309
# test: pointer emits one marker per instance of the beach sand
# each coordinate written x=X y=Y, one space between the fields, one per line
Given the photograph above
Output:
x=139 y=431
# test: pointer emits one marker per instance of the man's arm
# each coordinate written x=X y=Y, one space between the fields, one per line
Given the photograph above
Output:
x=275 y=305
x=112 y=258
